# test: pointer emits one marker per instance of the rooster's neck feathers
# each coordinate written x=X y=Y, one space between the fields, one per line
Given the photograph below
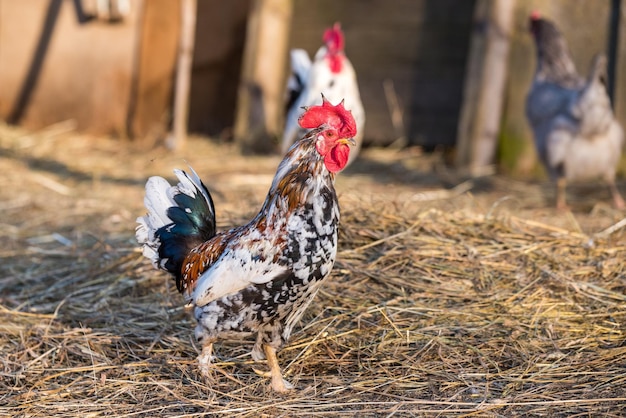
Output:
x=300 y=174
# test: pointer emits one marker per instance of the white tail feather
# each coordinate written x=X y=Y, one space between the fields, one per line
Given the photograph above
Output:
x=159 y=198
x=191 y=183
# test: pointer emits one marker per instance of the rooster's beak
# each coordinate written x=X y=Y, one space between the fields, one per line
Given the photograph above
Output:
x=348 y=141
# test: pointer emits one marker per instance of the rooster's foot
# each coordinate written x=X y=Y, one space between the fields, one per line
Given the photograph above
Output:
x=204 y=360
x=279 y=384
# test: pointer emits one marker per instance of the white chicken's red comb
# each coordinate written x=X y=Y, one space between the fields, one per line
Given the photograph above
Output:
x=333 y=38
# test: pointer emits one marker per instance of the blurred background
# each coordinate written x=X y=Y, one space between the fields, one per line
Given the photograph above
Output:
x=439 y=74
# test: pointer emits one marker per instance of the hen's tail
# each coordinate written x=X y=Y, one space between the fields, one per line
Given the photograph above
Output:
x=179 y=218
x=300 y=66
x=593 y=106
x=296 y=84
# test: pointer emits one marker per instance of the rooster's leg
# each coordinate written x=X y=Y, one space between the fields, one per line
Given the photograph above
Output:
x=278 y=383
x=618 y=201
x=561 y=183
x=204 y=359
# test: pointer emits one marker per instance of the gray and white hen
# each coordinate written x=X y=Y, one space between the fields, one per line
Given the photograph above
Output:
x=576 y=134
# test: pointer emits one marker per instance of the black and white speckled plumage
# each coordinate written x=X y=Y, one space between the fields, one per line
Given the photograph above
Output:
x=259 y=277
x=274 y=265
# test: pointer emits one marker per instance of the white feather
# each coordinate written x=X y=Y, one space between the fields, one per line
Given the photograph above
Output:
x=235 y=270
x=157 y=202
x=158 y=199
x=300 y=66
x=190 y=184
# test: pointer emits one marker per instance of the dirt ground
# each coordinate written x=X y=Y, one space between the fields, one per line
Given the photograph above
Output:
x=450 y=297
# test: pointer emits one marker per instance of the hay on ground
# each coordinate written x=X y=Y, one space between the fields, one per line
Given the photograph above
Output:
x=484 y=303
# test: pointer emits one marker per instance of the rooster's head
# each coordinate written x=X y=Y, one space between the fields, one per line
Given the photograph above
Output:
x=336 y=129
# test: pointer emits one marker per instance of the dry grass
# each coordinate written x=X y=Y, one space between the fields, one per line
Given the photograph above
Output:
x=484 y=304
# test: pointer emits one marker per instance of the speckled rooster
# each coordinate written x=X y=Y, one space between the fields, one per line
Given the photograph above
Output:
x=259 y=277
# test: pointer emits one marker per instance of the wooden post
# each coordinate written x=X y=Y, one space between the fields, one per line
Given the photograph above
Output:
x=260 y=104
x=485 y=84
x=183 y=74
x=615 y=16
x=619 y=93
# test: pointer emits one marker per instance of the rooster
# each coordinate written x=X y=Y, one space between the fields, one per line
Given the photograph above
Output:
x=331 y=74
x=576 y=134
x=259 y=277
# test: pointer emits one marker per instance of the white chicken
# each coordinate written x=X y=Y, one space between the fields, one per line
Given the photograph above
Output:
x=331 y=74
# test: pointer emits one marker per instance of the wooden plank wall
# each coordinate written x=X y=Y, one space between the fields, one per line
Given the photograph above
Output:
x=58 y=63
x=50 y=73
x=420 y=45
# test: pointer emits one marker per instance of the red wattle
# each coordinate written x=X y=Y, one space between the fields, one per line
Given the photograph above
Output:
x=335 y=62
x=337 y=158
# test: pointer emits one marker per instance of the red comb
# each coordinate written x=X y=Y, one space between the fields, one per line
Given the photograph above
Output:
x=333 y=38
x=535 y=15
x=327 y=114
